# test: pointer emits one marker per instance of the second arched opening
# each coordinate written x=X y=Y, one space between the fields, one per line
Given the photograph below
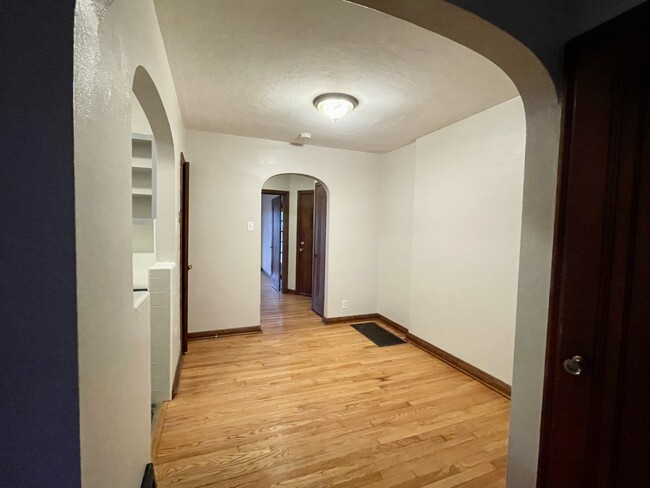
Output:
x=293 y=244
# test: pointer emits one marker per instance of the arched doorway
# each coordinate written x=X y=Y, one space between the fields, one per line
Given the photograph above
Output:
x=542 y=109
x=154 y=198
x=294 y=241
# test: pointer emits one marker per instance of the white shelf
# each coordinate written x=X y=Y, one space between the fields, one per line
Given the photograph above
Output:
x=142 y=221
x=143 y=177
x=141 y=164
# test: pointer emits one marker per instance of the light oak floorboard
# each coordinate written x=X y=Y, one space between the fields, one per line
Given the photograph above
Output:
x=285 y=312
x=311 y=405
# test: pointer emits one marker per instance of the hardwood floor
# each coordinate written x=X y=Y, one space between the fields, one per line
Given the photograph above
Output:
x=285 y=312
x=309 y=405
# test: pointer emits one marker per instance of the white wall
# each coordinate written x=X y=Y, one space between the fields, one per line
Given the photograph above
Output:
x=267 y=232
x=449 y=241
x=397 y=175
x=467 y=231
x=139 y=122
x=445 y=227
x=114 y=370
x=225 y=285
x=293 y=184
x=143 y=309
x=161 y=286
x=142 y=239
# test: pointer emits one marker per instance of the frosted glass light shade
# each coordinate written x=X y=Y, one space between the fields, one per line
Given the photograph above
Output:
x=335 y=105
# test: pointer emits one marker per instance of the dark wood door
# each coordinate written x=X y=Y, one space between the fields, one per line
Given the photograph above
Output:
x=320 y=227
x=185 y=249
x=305 y=239
x=596 y=424
x=276 y=243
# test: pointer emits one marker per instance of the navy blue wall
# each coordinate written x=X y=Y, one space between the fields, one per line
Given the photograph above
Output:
x=39 y=389
x=545 y=26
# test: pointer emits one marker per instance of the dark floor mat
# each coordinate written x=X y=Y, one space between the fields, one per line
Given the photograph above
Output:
x=378 y=335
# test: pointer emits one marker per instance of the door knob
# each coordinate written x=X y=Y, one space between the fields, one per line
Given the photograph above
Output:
x=301 y=249
x=189 y=266
x=574 y=365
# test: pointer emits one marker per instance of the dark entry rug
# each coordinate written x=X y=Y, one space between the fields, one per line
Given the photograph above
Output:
x=378 y=335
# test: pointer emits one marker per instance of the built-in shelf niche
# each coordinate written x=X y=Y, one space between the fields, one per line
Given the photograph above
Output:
x=143 y=177
x=143 y=195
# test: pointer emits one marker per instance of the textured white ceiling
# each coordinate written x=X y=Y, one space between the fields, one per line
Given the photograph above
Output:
x=253 y=67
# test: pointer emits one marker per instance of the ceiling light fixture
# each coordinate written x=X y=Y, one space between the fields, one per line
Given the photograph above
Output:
x=335 y=105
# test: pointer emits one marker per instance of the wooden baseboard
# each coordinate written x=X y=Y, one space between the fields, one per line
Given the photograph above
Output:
x=394 y=325
x=349 y=318
x=290 y=291
x=481 y=376
x=369 y=316
x=177 y=376
x=213 y=334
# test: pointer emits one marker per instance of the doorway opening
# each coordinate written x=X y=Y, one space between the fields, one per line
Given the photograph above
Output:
x=293 y=249
x=542 y=111
x=275 y=238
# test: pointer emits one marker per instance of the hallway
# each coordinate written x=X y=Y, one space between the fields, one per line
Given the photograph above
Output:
x=309 y=405
x=285 y=312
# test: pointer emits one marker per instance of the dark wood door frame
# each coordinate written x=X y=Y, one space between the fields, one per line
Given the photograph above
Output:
x=595 y=426
x=309 y=249
x=285 y=235
x=320 y=250
x=184 y=244
x=277 y=249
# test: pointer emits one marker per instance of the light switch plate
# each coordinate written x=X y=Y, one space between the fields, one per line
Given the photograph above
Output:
x=251 y=226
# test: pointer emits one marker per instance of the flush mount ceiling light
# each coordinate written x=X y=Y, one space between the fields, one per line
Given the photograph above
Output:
x=335 y=105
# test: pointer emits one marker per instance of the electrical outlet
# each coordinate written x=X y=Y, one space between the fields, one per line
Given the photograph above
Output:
x=344 y=304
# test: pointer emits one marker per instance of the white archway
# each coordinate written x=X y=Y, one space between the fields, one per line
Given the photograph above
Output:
x=292 y=225
x=540 y=177
x=165 y=243
x=147 y=94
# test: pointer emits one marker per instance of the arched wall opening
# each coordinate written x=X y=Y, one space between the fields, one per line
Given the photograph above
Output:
x=149 y=99
x=154 y=230
x=295 y=187
x=227 y=176
x=540 y=176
